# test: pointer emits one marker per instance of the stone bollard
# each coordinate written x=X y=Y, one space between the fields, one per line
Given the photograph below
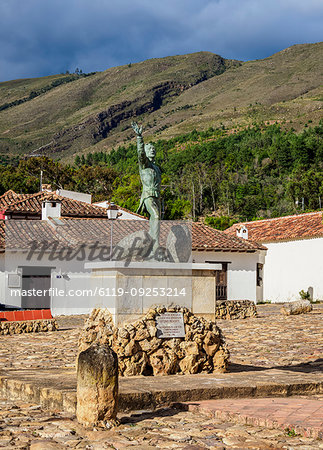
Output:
x=97 y=386
x=298 y=307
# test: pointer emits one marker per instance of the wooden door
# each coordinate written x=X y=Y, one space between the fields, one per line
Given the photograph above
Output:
x=221 y=283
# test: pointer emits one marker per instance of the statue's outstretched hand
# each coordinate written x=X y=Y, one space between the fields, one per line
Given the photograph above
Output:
x=136 y=128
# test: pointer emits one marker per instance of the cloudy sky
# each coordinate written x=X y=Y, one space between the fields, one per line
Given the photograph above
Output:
x=43 y=37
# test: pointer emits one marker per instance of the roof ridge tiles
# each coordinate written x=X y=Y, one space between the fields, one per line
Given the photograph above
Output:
x=286 y=228
x=26 y=197
x=10 y=191
x=18 y=205
x=279 y=218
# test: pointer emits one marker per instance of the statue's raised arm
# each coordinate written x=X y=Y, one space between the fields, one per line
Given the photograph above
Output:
x=136 y=128
x=142 y=157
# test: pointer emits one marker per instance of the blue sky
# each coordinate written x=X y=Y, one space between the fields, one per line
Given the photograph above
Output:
x=43 y=37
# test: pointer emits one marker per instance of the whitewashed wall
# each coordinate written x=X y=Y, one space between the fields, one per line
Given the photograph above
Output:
x=2 y=278
x=80 y=196
x=68 y=277
x=291 y=267
x=124 y=214
x=242 y=272
x=72 y=276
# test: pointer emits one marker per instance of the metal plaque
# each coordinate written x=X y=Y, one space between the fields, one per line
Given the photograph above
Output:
x=170 y=325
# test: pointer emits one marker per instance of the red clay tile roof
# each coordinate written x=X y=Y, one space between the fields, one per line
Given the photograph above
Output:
x=32 y=204
x=300 y=226
x=20 y=234
x=207 y=238
x=71 y=232
x=10 y=197
x=203 y=237
x=10 y=201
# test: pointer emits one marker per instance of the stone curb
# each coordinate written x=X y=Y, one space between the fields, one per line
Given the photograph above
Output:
x=249 y=419
x=154 y=400
x=57 y=391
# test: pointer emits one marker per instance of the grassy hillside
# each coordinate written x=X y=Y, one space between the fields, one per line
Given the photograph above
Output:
x=19 y=89
x=285 y=86
x=170 y=96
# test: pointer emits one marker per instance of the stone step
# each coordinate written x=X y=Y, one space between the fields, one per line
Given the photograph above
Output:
x=55 y=389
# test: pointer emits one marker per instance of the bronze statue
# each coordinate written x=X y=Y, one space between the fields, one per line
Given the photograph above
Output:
x=150 y=175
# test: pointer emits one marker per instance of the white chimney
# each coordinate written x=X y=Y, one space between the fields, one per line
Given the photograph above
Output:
x=51 y=208
x=242 y=232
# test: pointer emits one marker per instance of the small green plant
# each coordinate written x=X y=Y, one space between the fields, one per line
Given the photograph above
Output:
x=290 y=432
x=305 y=295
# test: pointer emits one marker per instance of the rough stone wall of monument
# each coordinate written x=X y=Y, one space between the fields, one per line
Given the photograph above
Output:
x=141 y=352
x=99 y=327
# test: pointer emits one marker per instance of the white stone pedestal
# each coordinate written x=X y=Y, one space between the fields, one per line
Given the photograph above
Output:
x=128 y=291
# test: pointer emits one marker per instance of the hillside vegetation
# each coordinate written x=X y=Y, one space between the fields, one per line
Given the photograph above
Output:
x=257 y=172
x=170 y=96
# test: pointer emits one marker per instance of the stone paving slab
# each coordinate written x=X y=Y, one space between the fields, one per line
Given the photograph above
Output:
x=272 y=355
x=27 y=426
x=269 y=340
x=56 y=388
x=301 y=416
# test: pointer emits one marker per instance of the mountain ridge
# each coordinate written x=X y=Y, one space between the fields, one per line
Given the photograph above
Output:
x=170 y=96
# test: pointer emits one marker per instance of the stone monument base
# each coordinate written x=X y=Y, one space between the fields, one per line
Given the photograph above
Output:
x=130 y=291
x=165 y=341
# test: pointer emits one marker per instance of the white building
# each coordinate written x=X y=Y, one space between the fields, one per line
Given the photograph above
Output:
x=123 y=213
x=294 y=258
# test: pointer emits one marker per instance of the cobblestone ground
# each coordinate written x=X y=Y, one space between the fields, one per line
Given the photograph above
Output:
x=271 y=340
x=274 y=340
x=26 y=426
